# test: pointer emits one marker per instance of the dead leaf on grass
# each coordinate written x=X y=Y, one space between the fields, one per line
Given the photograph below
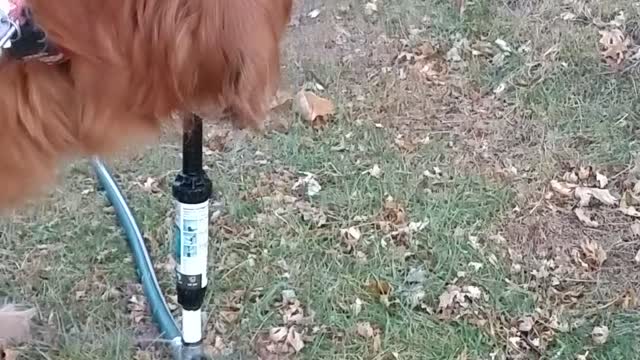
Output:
x=625 y=206
x=600 y=334
x=375 y=171
x=628 y=300
x=281 y=104
x=584 y=356
x=393 y=212
x=594 y=254
x=314 y=109
x=526 y=324
x=351 y=237
x=456 y=297
x=571 y=177
x=585 y=219
x=308 y=184
x=281 y=341
x=406 y=145
x=370 y=8
x=602 y=180
x=585 y=194
x=381 y=290
x=356 y=307
x=562 y=188
x=311 y=215
x=614 y=46
x=364 y=329
x=584 y=172
x=137 y=306
x=295 y=340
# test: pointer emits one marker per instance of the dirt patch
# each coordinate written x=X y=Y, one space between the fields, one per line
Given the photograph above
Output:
x=590 y=249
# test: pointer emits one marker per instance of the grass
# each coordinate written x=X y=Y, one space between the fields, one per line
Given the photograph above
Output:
x=67 y=256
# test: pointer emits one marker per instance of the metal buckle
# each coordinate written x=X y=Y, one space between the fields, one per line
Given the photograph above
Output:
x=9 y=30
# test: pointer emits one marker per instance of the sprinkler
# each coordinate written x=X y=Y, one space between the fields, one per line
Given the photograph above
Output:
x=192 y=192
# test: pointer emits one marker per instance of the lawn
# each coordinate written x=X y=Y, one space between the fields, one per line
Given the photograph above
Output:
x=476 y=200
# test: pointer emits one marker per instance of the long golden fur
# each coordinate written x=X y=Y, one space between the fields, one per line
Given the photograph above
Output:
x=131 y=64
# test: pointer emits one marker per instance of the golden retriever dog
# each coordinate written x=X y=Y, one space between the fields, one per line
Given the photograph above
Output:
x=115 y=70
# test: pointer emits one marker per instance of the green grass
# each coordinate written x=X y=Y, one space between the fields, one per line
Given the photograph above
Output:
x=67 y=255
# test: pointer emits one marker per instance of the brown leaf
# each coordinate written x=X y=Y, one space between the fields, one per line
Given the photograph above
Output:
x=394 y=212
x=526 y=324
x=584 y=172
x=629 y=299
x=278 y=334
x=562 y=188
x=351 y=237
x=295 y=340
x=364 y=329
x=602 y=180
x=314 y=109
x=585 y=219
x=600 y=334
x=377 y=342
x=381 y=290
x=585 y=194
x=281 y=105
x=614 y=46
x=625 y=206
x=594 y=253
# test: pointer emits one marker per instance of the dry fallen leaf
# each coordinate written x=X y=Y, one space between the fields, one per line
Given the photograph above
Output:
x=382 y=290
x=526 y=324
x=350 y=237
x=602 y=180
x=370 y=8
x=278 y=334
x=309 y=183
x=615 y=45
x=364 y=329
x=625 y=206
x=600 y=334
x=313 y=108
x=375 y=171
x=582 y=356
x=393 y=212
x=570 y=176
x=585 y=219
x=585 y=194
x=314 y=13
x=562 y=188
x=584 y=172
x=356 y=307
x=295 y=340
x=594 y=254
x=281 y=105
